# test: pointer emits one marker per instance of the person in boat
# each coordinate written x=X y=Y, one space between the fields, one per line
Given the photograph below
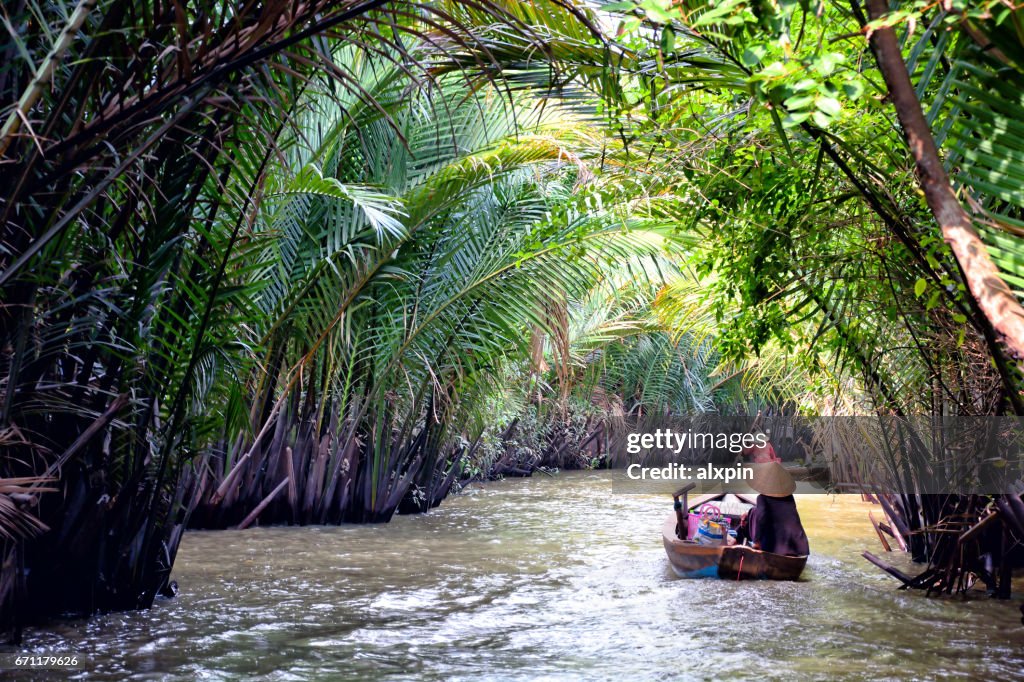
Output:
x=773 y=525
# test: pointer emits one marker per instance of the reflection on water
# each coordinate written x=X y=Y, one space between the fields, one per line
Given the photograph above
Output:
x=536 y=578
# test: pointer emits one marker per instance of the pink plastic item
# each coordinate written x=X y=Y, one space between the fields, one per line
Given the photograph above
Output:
x=693 y=520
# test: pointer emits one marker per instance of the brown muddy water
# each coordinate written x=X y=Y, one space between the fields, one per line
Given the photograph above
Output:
x=542 y=578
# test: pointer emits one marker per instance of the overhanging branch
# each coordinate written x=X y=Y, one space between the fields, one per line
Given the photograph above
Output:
x=995 y=299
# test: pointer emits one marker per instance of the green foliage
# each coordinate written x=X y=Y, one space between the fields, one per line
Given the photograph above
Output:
x=178 y=257
x=816 y=239
x=372 y=234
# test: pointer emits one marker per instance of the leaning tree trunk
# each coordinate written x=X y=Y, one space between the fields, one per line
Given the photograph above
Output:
x=994 y=298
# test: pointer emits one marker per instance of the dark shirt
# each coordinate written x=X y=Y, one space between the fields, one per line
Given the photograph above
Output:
x=774 y=524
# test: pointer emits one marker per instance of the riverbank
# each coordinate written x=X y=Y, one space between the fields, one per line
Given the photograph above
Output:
x=523 y=578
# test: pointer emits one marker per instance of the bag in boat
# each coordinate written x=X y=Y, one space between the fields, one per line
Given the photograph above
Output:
x=713 y=527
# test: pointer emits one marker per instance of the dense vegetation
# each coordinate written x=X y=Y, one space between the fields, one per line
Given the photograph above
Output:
x=314 y=262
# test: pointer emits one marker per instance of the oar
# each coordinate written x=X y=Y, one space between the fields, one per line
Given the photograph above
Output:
x=681 y=521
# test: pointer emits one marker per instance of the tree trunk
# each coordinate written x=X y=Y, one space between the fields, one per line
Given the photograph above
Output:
x=998 y=304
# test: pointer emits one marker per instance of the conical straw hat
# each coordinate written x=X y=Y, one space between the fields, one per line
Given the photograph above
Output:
x=772 y=479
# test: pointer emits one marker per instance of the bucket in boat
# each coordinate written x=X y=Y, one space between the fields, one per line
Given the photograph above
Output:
x=708 y=526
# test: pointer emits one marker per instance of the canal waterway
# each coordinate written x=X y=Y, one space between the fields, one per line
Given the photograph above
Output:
x=540 y=578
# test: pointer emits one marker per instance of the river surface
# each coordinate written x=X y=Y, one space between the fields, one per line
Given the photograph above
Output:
x=542 y=578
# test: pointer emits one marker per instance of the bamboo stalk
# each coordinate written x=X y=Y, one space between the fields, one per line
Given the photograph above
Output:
x=897 y=522
x=293 y=492
x=895 y=533
x=878 y=530
x=894 y=572
x=262 y=505
x=969 y=534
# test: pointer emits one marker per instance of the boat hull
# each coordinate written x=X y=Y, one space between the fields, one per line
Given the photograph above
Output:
x=736 y=562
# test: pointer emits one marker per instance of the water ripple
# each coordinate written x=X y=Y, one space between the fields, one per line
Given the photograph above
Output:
x=534 y=579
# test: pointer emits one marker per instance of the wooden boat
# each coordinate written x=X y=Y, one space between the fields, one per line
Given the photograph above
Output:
x=736 y=562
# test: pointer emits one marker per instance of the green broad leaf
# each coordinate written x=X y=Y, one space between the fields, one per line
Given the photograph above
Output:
x=959 y=318
x=821 y=120
x=668 y=40
x=920 y=286
x=795 y=118
x=655 y=12
x=853 y=88
x=827 y=63
x=714 y=15
x=773 y=70
x=753 y=55
x=805 y=84
x=828 y=105
x=797 y=102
